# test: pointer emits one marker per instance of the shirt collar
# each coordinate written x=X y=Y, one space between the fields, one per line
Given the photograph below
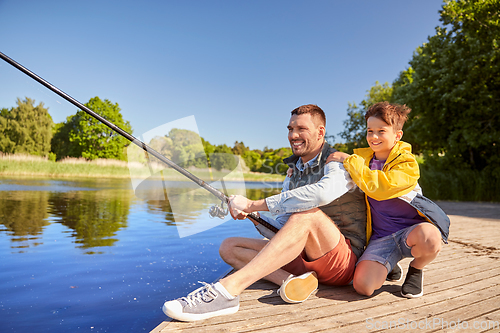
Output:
x=301 y=166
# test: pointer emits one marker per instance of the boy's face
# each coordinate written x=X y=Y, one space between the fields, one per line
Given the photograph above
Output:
x=381 y=137
x=306 y=136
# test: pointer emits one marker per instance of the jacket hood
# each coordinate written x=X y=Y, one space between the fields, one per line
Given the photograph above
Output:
x=399 y=147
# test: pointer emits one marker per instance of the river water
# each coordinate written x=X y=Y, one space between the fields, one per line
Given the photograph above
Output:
x=91 y=256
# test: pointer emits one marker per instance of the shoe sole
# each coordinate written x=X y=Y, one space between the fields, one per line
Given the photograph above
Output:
x=298 y=289
x=199 y=316
x=412 y=295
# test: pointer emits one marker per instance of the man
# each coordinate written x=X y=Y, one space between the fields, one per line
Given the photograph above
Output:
x=309 y=245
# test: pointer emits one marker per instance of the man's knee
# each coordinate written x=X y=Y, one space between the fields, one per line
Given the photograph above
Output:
x=311 y=218
x=226 y=249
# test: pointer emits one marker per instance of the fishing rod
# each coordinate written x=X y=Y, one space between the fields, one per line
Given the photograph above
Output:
x=214 y=211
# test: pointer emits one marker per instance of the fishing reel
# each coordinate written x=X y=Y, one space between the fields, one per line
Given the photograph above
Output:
x=218 y=211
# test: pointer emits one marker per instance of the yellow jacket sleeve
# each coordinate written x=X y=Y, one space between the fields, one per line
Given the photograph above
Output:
x=397 y=179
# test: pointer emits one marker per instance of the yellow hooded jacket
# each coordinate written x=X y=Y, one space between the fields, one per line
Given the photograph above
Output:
x=397 y=179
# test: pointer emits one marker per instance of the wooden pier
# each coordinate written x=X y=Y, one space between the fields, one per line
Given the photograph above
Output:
x=461 y=292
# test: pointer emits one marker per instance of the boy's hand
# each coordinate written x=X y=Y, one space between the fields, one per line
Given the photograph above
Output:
x=289 y=173
x=337 y=156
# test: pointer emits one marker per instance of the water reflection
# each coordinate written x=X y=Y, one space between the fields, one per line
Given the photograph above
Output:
x=24 y=214
x=260 y=193
x=94 y=216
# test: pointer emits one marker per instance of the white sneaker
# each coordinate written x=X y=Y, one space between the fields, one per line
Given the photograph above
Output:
x=203 y=303
x=297 y=289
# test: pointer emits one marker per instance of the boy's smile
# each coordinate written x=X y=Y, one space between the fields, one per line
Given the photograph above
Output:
x=381 y=137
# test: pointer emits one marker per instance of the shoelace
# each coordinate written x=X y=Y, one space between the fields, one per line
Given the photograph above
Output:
x=198 y=295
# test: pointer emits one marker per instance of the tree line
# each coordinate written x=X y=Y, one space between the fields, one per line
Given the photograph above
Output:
x=29 y=129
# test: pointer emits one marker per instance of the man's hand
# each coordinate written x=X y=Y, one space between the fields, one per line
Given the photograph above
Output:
x=237 y=206
x=337 y=156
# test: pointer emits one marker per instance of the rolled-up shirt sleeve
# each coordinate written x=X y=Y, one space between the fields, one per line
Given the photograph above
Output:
x=335 y=182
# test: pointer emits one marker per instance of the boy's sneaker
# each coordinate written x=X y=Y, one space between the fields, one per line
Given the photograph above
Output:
x=396 y=274
x=205 y=302
x=414 y=283
x=297 y=289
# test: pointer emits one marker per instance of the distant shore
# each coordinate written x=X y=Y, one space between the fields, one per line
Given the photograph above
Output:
x=36 y=166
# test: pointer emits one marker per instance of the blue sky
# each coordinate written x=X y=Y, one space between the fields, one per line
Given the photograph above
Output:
x=239 y=67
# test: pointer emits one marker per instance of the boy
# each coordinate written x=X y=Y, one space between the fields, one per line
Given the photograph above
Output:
x=401 y=222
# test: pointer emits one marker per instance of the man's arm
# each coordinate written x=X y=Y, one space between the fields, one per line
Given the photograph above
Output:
x=332 y=185
x=335 y=183
x=240 y=207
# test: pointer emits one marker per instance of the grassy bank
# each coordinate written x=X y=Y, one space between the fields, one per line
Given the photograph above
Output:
x=35 y=166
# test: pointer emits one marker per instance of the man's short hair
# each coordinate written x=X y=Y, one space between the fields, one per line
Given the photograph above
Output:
x=314 y=110
x=392 y=114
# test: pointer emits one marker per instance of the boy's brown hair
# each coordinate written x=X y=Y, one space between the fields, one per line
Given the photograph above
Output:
x=391 y=113
x=314 y=110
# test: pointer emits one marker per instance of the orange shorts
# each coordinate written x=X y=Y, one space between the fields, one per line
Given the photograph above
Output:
x=334 y=268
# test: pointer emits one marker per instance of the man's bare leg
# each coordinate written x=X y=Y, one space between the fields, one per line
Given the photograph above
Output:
x=311 y=231
x=239 y=251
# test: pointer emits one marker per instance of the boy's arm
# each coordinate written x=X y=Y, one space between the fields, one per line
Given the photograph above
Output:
x=397 y=181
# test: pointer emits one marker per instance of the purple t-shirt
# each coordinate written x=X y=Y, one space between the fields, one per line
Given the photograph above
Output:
x=389 y=216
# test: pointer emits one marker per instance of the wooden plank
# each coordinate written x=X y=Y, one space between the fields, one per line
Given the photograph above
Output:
x=489 y=322
x=464 y=318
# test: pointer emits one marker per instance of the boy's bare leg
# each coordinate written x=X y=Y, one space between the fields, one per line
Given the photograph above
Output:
x=425 y=243
x=368 y=277
x=311 y=231
x=239 y=251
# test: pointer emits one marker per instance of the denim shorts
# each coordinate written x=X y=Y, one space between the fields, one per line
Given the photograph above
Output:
x=389 y=250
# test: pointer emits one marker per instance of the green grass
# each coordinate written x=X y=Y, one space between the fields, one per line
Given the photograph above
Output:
x=35 y=166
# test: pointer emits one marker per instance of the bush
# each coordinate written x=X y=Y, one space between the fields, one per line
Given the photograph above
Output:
x=460 y=184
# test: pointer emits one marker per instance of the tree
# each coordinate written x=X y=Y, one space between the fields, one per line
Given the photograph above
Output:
x=252 y=160
x=26 y=128
x=354 y=132
x=83 y=136
x=272 y=160
x=223 y=158
x=239 y=148
x=453 y=87
x=6 y=144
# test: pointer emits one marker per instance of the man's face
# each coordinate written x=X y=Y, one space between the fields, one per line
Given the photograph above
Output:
x=306 y=136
